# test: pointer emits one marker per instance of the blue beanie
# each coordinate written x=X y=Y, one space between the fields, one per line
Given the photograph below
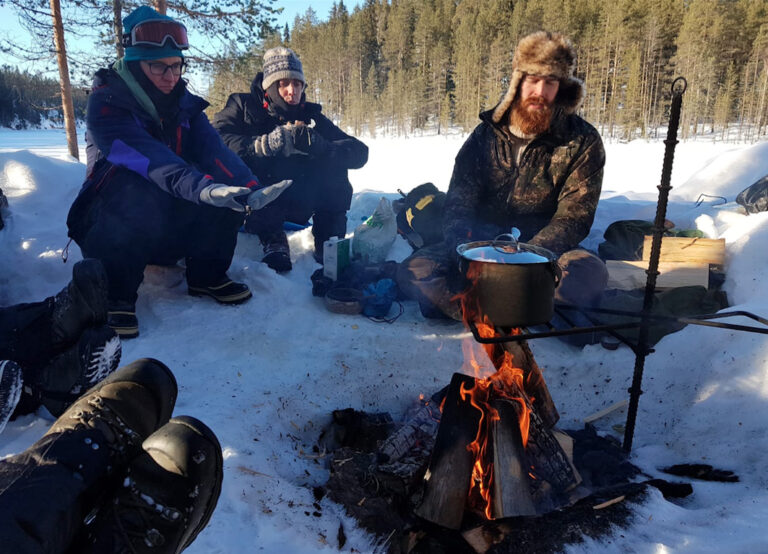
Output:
x=168 y=49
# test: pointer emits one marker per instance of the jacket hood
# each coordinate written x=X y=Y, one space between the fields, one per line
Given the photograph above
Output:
x=189 y=104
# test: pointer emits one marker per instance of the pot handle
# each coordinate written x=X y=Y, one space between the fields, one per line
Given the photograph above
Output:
x=512 y=236
x=557 y=272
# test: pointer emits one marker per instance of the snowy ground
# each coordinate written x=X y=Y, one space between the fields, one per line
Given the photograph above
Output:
x=266 y=375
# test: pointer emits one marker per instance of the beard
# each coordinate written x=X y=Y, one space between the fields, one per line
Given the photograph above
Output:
x=531 y=122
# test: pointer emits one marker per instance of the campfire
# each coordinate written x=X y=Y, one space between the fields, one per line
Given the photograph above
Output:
x=497 y=452
x=480 y=465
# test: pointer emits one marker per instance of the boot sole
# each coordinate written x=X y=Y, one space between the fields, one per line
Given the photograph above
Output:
x=232 y=299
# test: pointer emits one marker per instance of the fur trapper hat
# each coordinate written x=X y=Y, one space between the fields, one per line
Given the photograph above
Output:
x=545 y=54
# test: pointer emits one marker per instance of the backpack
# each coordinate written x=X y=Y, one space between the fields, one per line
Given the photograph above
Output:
x=754 y=198
x=420 y=215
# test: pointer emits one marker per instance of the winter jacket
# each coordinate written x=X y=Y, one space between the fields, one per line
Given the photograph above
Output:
x=180 y=157
x=247 y=117
x=551 y=196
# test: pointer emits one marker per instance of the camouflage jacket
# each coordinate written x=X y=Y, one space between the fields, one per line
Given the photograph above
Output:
x=551 y=196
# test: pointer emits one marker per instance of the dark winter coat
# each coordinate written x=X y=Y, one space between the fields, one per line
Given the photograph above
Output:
x=246 y=117
x=181 y=157
x=551 y=196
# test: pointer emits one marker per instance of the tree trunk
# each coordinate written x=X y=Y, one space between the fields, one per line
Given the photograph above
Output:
x=161 y=6
x=67 y=106
x=117 y=25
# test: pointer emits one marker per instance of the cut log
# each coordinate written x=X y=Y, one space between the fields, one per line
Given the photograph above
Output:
x=687 y=249
x=605 y=411
x=511 y=494
x=626 y=275
x=446 y=482
x=533 y=379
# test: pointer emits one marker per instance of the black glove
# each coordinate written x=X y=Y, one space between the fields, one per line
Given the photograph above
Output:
x=306 y=139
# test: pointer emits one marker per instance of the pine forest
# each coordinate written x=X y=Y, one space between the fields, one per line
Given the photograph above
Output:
x=407 y=66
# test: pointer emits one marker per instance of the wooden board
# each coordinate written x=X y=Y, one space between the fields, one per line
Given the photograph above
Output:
x=627 y=275
x=686 y=249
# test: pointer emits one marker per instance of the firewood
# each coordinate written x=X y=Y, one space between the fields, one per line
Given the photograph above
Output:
x=533 y=379
x=446 y=482
x=511 y=494
x=687 y=249
x=605 y=411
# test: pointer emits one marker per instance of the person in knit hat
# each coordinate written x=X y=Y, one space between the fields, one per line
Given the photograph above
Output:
x=160 y=183
x=533 y=164
x=282 y=136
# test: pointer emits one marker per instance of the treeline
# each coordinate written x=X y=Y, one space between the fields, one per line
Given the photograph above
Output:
x=28 y=99
x=408 y=65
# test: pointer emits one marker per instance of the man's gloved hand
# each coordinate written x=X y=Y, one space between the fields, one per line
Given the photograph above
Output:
x=261 y=197
x=278 y=142
x=309 y=141
x=225 y=196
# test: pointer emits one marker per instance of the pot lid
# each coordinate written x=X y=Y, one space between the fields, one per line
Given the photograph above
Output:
x=502 y=252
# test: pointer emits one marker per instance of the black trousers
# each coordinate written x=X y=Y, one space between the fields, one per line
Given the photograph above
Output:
x=130 y=223
x=47 y=490
x=323 y=194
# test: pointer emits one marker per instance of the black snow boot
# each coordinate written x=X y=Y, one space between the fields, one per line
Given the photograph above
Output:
x=74 y=371
x=10 y=390
x=167 y=496
x=122 y=318
x=277 y=254
x=82 y=303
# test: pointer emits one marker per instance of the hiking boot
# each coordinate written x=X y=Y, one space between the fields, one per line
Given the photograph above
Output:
x=168 y=495
x=82 y=303
x=122 y=318
x=277 y=257
x=227 y=292
x=10 y=390
x=74 y=371
x=125 y=408
x=277 y=254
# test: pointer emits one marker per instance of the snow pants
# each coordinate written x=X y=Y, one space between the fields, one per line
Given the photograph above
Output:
x=25 y=334
x=47 y=491
x=431 y=276
x=130 y=223
x=323 y=194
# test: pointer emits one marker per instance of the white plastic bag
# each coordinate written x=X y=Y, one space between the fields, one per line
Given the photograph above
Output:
x=374 y=237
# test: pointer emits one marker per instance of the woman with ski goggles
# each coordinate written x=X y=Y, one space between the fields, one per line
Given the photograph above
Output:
x=155 y=32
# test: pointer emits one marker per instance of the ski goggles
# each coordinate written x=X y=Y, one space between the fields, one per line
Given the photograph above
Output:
x=154 y=32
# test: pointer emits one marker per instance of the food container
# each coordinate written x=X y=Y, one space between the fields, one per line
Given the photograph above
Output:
x=343 y=300
x=514 y=283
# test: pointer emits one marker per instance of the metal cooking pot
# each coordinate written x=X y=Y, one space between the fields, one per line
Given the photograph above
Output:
x=514 y=282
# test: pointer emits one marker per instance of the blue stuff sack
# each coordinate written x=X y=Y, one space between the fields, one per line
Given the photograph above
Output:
x=378 y=298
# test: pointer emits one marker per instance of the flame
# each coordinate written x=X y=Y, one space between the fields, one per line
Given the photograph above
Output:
x=502 y=380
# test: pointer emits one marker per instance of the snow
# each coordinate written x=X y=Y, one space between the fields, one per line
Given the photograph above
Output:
x=266 y=375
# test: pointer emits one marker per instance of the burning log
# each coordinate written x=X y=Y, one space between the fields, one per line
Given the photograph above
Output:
x=447 y=479
x=533 y=379
x=511 y=493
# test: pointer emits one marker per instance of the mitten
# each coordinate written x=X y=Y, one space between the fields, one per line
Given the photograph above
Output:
x=259 y=198
x=225 y=196
x=277 y=142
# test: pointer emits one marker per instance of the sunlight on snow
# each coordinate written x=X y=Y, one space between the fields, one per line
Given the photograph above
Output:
x=16 y=180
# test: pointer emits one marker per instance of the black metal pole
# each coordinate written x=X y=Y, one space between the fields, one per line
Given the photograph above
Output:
x=678 y=88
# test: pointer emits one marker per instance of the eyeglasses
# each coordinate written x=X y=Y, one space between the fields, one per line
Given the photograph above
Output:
x=154 y=32
x=159 y=68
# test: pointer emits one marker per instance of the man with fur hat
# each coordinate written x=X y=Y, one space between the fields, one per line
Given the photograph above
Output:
x=282 y=136
x=160 y=183
x=532 y=163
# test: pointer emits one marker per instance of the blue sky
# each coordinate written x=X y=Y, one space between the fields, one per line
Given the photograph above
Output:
x=10 y=28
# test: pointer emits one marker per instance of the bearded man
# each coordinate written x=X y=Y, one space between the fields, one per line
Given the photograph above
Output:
x=532 y=163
